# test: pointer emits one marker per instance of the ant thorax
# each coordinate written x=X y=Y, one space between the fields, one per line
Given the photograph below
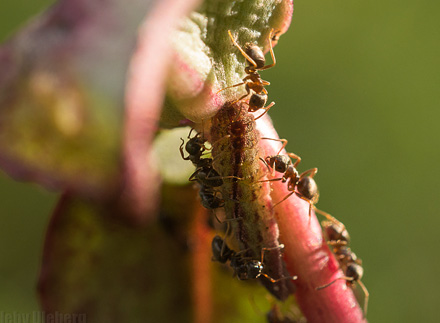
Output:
x=220 y=250
x=292 y=176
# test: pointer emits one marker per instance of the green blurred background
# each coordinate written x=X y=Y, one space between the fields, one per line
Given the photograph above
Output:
x=357 y=94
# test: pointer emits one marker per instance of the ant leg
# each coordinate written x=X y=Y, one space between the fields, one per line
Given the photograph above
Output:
x=181 y=150
x=308 y=201
x=284 y=141
x=331 y=283
x=249 y=59
x=264 y=162
x=281 y=246
x=311 y=172
x=218 y=140
x=227 y=221
x=327 y=285
x=272 y=54
x=235 y=85
x=267 y=165
x=243 y=251
x=279 y=279
x=329 y=217
x=273 y=180
x=367 y=295
x=189 y=135
x=241 y=98
x=287 y=196
x=231 y=176
x=265 y=111
x=216 y=217
x=294 y=156
x=208 y=178
x=192 y=178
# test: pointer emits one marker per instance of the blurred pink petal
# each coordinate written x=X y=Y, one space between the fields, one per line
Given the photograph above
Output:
x=62 y=82
x=144 y=100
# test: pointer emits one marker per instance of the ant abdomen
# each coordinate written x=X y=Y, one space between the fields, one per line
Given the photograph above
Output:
x=354 y=271
x=257 y=101
x=308 y=188
x=255 y=52
x=220 y=250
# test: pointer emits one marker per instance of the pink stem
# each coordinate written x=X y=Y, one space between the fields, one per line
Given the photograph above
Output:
x=307 y=254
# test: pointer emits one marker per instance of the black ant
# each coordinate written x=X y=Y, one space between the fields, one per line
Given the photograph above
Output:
x=350 y=264
x=209 y=198
x=353 y=273
x=336 y=234
x=302 y=185
x=244 y=267
x=206 y=175
x=252 y=81
x=195 y=147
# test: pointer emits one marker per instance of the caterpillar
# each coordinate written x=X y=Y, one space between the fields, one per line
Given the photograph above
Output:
x=236 y=152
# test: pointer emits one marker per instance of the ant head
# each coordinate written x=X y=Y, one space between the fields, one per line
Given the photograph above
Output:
x=254 y=52
x=195 y=145
x=249 y=270
x=354 y=271
x=335 y=232
x=220 y=250
x=282 y=162
x=308 y=188
x=257 y=101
